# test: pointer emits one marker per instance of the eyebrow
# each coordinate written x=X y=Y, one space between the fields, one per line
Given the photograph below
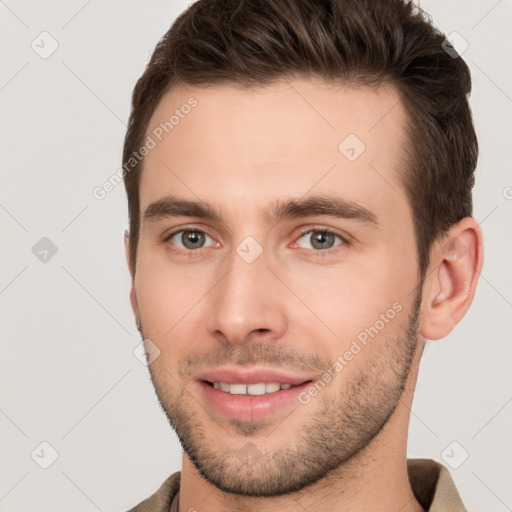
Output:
x=171 y=206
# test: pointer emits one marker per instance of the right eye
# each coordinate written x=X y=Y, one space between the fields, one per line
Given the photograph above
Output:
x=190 y=239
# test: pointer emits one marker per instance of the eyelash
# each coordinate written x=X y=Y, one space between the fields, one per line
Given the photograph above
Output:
x=326 y=252
x=316 y=252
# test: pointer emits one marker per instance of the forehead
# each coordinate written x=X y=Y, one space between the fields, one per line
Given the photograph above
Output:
x=242 y=147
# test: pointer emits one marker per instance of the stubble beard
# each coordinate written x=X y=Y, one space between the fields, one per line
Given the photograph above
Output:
x=338 y=429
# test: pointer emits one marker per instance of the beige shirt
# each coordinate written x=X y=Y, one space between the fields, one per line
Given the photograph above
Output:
x=430 y=481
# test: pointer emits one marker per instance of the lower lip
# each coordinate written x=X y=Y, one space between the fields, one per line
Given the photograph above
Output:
x=249 y=407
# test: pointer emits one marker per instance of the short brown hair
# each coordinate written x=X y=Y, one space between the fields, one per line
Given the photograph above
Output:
x=356 y=42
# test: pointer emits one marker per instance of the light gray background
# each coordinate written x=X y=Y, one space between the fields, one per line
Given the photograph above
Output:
x=68 y=375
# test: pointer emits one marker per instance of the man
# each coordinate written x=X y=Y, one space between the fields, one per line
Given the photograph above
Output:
x=299 y=179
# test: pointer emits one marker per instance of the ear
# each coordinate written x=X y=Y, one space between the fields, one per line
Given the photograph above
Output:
x=455 y=265
x=133 y=295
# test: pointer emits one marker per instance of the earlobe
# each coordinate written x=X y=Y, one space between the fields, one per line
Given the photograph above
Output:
x=450 y=285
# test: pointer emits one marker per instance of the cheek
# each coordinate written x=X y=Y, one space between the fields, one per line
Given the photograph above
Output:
x=168 y=295
x=170 y=308
x=361 y=317
x=337 y=304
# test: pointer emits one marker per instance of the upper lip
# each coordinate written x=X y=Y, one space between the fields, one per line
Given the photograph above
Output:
x=232 y=375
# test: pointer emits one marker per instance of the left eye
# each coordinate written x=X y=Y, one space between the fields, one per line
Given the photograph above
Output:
x=190 y=239
x=320 y=240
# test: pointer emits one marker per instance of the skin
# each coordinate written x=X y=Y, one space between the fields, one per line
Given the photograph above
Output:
x=242 y=150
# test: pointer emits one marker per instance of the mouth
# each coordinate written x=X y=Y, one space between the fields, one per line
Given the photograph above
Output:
x=256 y=389
x=250 y=402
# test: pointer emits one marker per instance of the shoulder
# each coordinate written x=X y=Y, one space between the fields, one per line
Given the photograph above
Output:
x=433 y=486
x=161 y=500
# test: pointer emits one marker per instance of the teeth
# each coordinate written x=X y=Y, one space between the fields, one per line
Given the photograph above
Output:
x=272 y=387
x=261 y=388
x=237 y=389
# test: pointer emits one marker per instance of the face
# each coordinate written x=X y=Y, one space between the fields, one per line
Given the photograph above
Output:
x=276 y=251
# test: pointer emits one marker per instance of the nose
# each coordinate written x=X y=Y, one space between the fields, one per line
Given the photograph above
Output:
x=247 y=304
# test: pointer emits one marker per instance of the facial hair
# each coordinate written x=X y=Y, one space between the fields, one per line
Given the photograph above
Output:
x=341 y=424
